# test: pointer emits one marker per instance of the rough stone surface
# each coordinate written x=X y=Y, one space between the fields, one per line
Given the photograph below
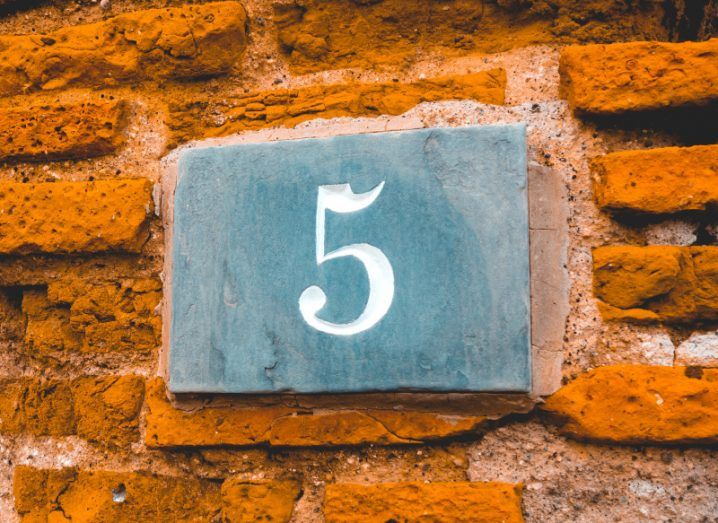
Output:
x=74 y=314
x=451 y=221
x=700 y=350
x=107 y=409
x=246 y=501
x=320 y=34
x=41 y=408
x=584 y=482
x=661 y=181
x=102 y=410
x=103 y=496
x=212 y=116
x=465 y=502
x=638 y=76
x=675 y=284
x=73 y=130
x=185 y=42
x=639 y=404
x=218 y=422
x=72 y=217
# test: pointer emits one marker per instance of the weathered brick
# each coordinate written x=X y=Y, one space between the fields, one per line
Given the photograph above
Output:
x=71 y=217
x=673 y=284
x=659 y=181
x=56 y=131
x=488 y=502
x=35 y=406
x=107 y=409
x=215 y=424
x=183 y=42
x=102 y=496
x=639 y=404
x=206 y=117
x=370 y=34
x=369 y=426
x=75 y=315
x=637 y=76
x=245 y=501
x=103 y=410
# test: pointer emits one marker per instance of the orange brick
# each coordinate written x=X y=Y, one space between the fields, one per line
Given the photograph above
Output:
x=84 y=495
x=488 y=502
x=246 y=501
x=107 y=409
x=182 y=42
x=205 y=117
x=71 y=217
x=665 y=180
x=674 y=284
x=103 y=410
x=56 y=131
x=639 y=404
x=369 y=34
x=35 y=406
x=217 y=424
x=638 y=76
x=75 y=314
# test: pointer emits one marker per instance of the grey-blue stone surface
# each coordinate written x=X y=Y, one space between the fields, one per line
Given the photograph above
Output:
x=452 y=220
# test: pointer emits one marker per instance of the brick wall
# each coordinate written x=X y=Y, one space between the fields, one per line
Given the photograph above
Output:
x=621 y=102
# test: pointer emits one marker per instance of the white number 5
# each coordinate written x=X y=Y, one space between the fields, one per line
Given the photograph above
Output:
x=341 y=199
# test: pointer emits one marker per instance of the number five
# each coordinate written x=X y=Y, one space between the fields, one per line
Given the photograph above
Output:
x=341 y=199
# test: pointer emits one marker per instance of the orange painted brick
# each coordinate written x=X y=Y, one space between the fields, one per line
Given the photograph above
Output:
x=183 y=42
x=102 y=496
x=637 y=76
x=489 y=502
x=659 y=282
x=245 y=501
x=72 y=217
x=56 y=131
x=103 y=410
x=199 y=118
x=639 y=404
x=665 y=180
x=218 y=424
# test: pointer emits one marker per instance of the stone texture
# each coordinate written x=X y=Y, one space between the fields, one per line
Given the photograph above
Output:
x=664 y=180
x=58 y=495
x=636 y=404
x=414 y=501
x=451 y=220
x=102 y=410
x=185 y=42
x=666 y=283
x=638 y=76
x=72 y=217
x=82 y=315
x=331 y=34
x=218 y=422
x=212 y=116
x=58 y=131
x=550 y=282
x=246 y=501
x=35 y=406
x=107 y=409
x=700 y=350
